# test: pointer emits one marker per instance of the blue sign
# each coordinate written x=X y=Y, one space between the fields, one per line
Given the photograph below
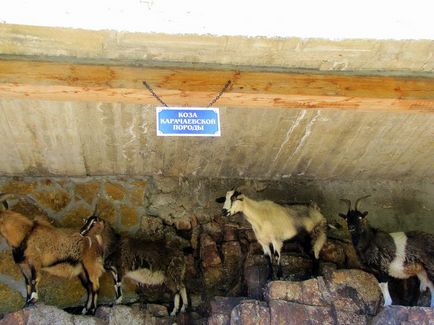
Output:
x=188 y=121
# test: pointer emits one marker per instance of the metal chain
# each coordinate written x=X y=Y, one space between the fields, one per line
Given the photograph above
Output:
x=220 y=93
x=225 y=87
x=154 y=94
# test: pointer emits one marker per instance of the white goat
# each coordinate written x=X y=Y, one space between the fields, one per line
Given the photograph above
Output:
x=273 y=223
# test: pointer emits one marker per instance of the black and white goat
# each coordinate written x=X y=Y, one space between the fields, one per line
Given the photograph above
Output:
x=146 y=262
x=39 y=246
x=398 y=255
x=273 y=223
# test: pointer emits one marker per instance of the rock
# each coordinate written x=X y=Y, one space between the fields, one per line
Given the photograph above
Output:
x=120 y=314
x=333 y=252
x=250 y=312
x=129 y=217
x=74 y=217
x=114 y=191
x=213 y=277
x=325 y=268
x=353 y=290
x=182 y=224
x=61 y=292
x=256 y=277
x=137 y=195
x=224 y=305
x=19 y=186
x=288 y=313
x=214 y=230
x=167 y=184
x=397 y=315
x=106 y=210
x=10 y=299
x=295 y=267
x=283 y=312
x=248 y=234
x=230 y=232
x=9 y=267
x=54 y=199
x=157 y=310
x=208 y=252
x=87 y=191
x=345 y=290
x=306 y=292
x=221 y=308
x=19 y=317
x=152 y=227
x=233 y=258
x=45 y=314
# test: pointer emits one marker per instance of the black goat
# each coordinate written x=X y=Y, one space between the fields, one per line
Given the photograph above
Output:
x=146 y=262
x=398 y=255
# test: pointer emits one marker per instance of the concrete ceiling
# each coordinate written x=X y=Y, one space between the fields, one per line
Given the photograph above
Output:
x=384 y=133
x=332 y=19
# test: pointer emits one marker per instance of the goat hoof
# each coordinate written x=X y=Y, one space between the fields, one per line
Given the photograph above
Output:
x=30 y=303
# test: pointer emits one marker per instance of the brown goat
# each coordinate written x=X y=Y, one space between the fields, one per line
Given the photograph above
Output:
x=146 y=262
x=39 y=246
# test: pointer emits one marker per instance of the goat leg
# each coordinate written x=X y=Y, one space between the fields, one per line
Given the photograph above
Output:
x=86 y=284
x=29 y=274
x=117 y=279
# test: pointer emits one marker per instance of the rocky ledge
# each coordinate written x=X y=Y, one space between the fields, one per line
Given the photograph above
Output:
x=339 y=297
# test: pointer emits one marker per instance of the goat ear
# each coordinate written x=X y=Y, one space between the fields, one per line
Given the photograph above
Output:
x=220 y=199
x=343 y=215
x=364 y=214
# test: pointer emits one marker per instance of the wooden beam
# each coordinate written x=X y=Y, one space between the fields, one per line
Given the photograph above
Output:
x=191 y=87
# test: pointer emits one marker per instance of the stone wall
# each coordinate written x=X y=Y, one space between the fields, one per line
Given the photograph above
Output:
x=222 y=254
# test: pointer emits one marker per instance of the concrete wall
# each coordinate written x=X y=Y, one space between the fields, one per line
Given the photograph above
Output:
x=47 y=138
x=151 y=204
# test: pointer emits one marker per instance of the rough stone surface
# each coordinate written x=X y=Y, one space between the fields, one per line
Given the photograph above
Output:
x=129 y=216
x=10 y=298
x=87 y=191
x=19 y=186
x=397 y=315
x=8 y=266
x=74 y=217
x=209 y=253
x=115 y=191
x=256 y=277
x=345 y=290
x=221 y=308
x=354 y=290
x=250 y=312
x=54 y=199
x=283 y=312
x=334 y=253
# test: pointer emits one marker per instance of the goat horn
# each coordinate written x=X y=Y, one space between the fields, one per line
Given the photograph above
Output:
x=95 y=212
x=348 y=202
x=356 y=205
x=3 y=198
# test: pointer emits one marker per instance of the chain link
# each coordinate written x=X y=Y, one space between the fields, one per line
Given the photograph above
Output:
x=154 y=94
x=220 y=93
x=225 y=87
